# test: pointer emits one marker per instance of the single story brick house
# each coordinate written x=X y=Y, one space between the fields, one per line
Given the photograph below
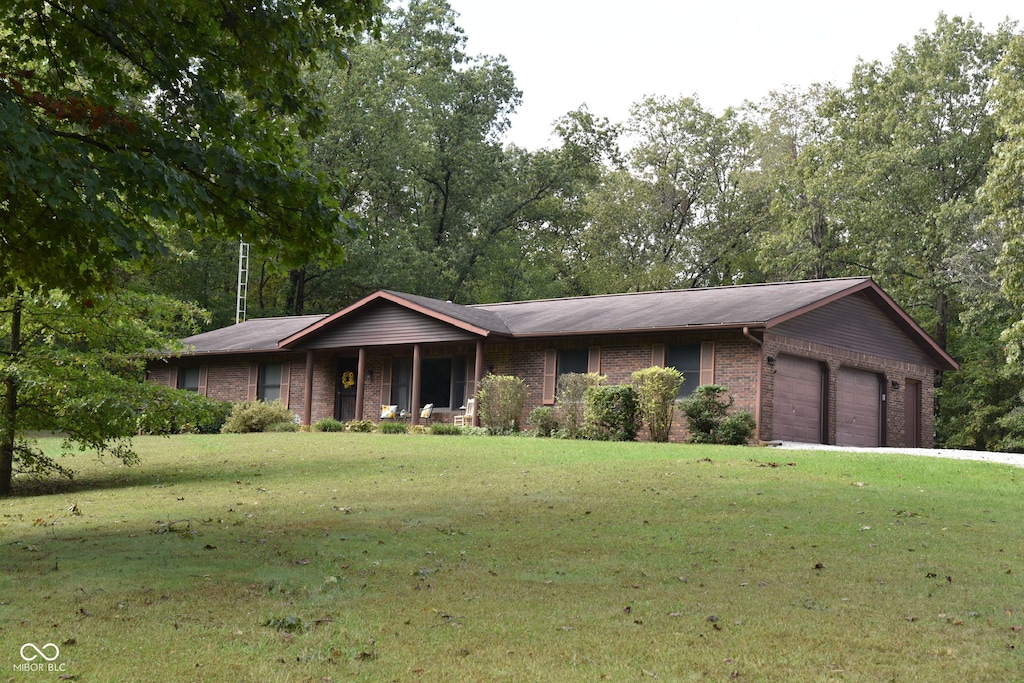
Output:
x=821 y=361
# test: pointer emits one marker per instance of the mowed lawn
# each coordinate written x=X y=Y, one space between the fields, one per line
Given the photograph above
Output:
x=369 y=557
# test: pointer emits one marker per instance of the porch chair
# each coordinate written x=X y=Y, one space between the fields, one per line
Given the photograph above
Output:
x=388 y=412
x=467 y=417
x=426 y=411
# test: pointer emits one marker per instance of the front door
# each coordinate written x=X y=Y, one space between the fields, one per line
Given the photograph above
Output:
x=345 y=393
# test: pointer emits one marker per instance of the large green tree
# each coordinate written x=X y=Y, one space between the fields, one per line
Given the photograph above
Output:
x=121 y=117
x=674 y=214
x=911 y=142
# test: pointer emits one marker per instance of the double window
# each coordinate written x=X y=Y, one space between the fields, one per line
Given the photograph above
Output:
x=442 y=382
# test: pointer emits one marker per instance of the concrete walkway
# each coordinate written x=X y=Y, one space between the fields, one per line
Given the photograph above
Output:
x=1016 y=459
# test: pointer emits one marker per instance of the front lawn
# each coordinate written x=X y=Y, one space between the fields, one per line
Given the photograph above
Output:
x=335 y=557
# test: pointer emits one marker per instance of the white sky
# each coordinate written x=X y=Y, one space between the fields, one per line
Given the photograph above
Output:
x=610 y=54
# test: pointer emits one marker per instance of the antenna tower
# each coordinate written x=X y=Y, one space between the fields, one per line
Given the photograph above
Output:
x=243 y=281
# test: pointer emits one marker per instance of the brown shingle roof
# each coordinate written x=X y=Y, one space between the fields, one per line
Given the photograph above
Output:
x=258 y=334
x=741 y=305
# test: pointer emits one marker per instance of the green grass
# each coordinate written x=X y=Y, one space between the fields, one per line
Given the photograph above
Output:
x=369 y=557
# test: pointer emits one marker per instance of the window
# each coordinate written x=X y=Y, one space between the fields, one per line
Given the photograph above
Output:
x=686 y=359
x=270 y=382
x=188 y=379
x=573 y=360
x=401 y=383
x=443 y=382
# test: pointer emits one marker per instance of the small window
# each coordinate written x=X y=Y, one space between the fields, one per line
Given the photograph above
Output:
x=573 y=360
x=686 y=359
x=270 y=382
x=188 y=379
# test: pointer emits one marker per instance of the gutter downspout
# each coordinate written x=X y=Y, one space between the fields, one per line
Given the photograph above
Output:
x=760 y=370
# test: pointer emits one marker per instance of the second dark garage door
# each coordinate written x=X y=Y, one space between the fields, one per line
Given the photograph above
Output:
x=858 y=408
x=798 y=400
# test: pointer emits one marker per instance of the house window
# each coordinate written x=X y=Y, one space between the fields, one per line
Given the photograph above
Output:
x=188 y=379
x=270 y=382
x=573 y=360
x=443 y=382
x=401 y=383
x=686 y=359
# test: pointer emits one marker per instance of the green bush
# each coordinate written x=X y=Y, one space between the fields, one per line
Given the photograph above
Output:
x=288 y=426
x=543 y=418
x=445 y=429
x=176 y=411
x=572 y=387
x=656 y=390
x=737 y=429
x=256 y=416
x=328 y=424
x=361 y=426
x=392 y=428
x=708 y=419
x=501 y=399
x=611 y=413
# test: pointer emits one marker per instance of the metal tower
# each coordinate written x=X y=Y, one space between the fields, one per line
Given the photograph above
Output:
x=243 y=281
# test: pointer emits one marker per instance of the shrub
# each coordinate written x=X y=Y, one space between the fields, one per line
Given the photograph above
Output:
x=656 y=390
x=360 y=425
x=392 y=428
x=182 y=412
x=445 y=429
x=611 y=413
x=501 y=399
x=328 y=424
x=708 y=419
x=256 y=416
x=572 y=387
x=288 y=426
x=737 y=429
x=543 y=418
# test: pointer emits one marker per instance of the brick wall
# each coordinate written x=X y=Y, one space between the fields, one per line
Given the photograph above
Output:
x=737 y=361
x=888 y=369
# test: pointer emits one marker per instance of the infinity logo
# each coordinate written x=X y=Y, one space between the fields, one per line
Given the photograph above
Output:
x=40 y=652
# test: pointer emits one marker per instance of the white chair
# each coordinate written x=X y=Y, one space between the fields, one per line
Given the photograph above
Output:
x=426 y=411
x=467 y=417
x=388 y=412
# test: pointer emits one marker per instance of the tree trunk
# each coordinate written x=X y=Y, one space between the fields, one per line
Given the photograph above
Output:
x=8 y=420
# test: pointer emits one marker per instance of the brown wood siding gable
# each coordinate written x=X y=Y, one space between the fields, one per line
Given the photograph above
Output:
x=384 y=325
x=856 y=324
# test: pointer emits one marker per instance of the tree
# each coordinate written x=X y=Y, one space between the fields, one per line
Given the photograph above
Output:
x=1002 y=190
x=673 y=216
x=416 y=132
x=912 y=140
x=118 y=119
x=803 y=238
x=75 y=369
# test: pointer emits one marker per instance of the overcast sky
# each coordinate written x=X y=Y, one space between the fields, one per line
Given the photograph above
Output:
x=610 y=54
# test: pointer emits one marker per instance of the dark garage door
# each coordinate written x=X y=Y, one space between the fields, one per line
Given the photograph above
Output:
x=858 y=408
x=797 y=401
